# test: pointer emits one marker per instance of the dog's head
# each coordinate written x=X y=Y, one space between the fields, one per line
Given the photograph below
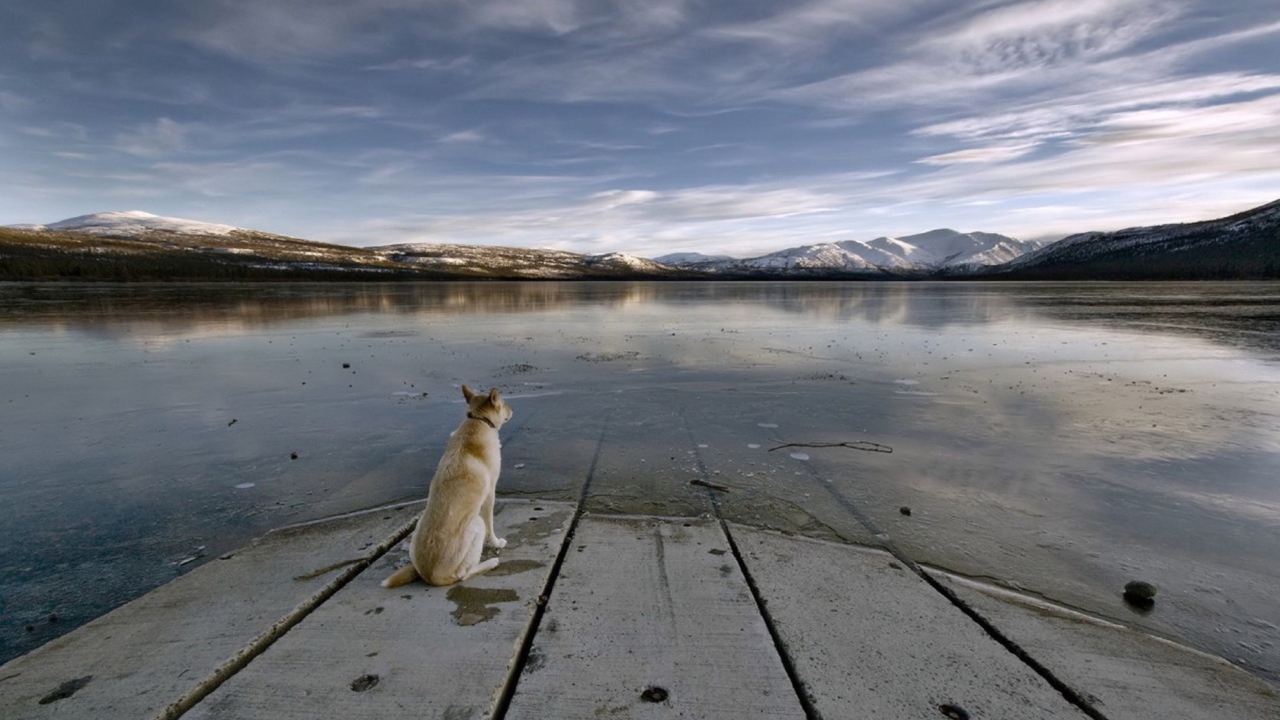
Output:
x=489 y=406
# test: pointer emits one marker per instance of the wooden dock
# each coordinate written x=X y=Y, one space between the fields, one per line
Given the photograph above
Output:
x=606 y=616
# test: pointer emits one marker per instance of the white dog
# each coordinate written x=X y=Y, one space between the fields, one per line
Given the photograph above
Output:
x=451 y=533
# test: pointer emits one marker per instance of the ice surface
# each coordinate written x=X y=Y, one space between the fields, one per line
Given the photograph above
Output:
x=1080 y=436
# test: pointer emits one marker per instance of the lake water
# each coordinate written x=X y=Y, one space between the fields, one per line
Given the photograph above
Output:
x=1060 y=439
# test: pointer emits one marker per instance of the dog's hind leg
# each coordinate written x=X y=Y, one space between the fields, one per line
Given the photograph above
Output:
x=466 y=563
x=477 y=530
x=483 y=567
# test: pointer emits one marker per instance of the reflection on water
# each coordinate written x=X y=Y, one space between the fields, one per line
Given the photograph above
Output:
x=1241 y=314
x=1059 y=438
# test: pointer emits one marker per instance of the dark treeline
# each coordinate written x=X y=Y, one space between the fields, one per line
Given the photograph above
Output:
x=35 y=263
x=1195 y=256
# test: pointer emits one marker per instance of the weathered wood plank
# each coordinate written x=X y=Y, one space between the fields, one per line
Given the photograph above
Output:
x=144 y=655
x=643 y=604
x=871 y=639
x=409 y=652
x=1130 y=674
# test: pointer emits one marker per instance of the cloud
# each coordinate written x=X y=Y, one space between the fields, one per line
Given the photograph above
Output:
x=66 y=132
x=801 y=26
x=273 y=30
x=1252 y=122
x=1003 y=52
x=1046 y=33
x=1048 y=98
x=459 y=63
x=1079 y=116
x=10 y=101
x=629 y=219
x=636 y=123
x=979 y=155
x=613 y=199
x=46 y=40
x=557 y=17
x=463 y=137
x=1141 y=167
x=162 y=137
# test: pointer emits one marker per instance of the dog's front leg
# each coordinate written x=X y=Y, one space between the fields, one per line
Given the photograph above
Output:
x=486 y=512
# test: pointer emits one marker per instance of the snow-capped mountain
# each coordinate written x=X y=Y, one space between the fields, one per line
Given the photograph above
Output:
x=131 y=222
x=139 y=245
x=519 y=262
x=949 y=249
x=688 y=258
x=1246 y=244
x=135 y=245
x=926 y=252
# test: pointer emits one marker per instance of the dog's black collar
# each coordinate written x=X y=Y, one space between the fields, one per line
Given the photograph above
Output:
x=485 y=420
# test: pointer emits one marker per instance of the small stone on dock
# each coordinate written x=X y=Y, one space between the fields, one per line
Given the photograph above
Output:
x=1139 y=593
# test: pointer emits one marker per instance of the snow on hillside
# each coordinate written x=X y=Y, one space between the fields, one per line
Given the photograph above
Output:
x=824 y=256
x=130 y=222
x=519 y=262
x=688 y=258
x=941 y=249
x=932 y=250
x=625 y=260
x=1086 y=245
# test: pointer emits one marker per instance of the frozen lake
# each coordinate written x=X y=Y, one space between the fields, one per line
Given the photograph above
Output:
x=1060 y=439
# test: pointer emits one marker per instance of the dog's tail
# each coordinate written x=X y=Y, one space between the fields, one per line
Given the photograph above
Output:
x=403 y=576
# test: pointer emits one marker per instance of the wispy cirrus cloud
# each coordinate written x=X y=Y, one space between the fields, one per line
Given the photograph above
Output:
x=806 y=26
x=13 y=101
x=1006 y=52
x=636 y=220
x=1058 y=116
x=1046 y=33
x=275 y=30
x=278 y=30
x=994 y=153
x=1068 y=121
x=162 y=137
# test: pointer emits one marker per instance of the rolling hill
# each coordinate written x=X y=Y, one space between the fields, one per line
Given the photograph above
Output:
x=1242 y=246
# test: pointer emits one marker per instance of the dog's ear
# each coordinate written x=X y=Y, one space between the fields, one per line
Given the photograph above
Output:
x=467 y=393
x=493 y=396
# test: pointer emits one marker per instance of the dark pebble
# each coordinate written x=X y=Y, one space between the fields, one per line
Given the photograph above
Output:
x=346 y=366
x=293 y=456
x=53 y=617
x=654 y=694
x=904 y=510
x=1140 y=593
x=364 y=682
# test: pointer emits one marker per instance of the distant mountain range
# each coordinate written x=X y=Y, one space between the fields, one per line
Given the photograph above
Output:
x=908 y=256
x=134 y=245
x=1242 y=246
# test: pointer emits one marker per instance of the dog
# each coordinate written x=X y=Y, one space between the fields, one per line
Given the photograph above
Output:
x=457 y=524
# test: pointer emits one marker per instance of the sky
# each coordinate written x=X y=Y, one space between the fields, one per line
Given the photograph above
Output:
x=643 y=126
